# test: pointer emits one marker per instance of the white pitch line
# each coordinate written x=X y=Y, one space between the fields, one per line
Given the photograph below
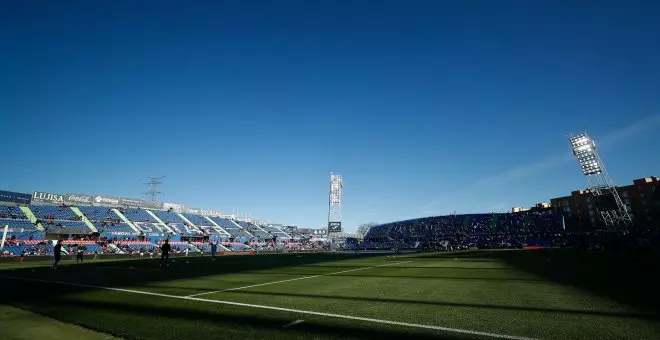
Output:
x=128 y=268
x=296 y=279
x=291 y=310
x=297 y=322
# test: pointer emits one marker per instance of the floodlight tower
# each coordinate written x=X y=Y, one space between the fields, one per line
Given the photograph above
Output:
x=607 y=200
x=334 y=203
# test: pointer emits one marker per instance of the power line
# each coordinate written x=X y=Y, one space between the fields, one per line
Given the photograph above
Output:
x=153 y=183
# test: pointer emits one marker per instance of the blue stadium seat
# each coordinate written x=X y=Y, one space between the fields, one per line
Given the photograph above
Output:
x=53 y=212
x=8 y=211
x=16 y=225
x=98 y=213
x=231 y=228
x=480 y=230
x=138 y=215
x=65 y=227
x=115 y=229
x=197 y=220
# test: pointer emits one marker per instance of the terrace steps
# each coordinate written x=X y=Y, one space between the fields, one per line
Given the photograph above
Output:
x=190 y=222
x=236 y=225
x=216 y=226
x=123 y=218
x=32 y=218
x=84 y=219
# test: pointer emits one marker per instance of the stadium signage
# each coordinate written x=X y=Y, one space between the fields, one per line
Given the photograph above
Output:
x=209 y=213
x=334 y=227
x=106 y=201
x=46 y=197
x=173 y=206
x=129 y=202
x=133 y=202
x=15 y=197
x=78 y=199
x=194 y=211
x=151 y=204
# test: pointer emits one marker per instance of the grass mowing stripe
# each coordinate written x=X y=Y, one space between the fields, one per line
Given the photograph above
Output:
x=298 y=311
x=296 y=279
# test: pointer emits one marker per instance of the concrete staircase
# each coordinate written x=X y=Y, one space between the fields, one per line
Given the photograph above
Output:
x=32 y=218
x=84 y=218
x=123 y=218
x=162 y=224
x=217 y=227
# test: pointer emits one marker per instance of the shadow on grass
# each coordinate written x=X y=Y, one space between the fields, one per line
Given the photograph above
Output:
x=628 y=278
x=138 y=272
x=421 y=277
x=452 y=304
x=66 y=303
x=162 y=318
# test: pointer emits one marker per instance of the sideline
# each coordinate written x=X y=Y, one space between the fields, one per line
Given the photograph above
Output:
x=298 y=311
x=296 y=279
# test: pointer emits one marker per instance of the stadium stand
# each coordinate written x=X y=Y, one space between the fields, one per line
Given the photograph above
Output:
x=168 y=216
x=53 y=212
x=179 y=225
x=232 y=228
x=7 y=211
x=65 y=227
x=277 y=232
x=478 y=230
x=136 y=247
x=151 y=229
x=16 y=246
x=197 y=220
x=255 y=230
x=118 y=236
x=107 y=222
x=114 y=228
x=138 y=215
x=215 y=235
x=17 y=225
x=98 y=213
x=237 y=246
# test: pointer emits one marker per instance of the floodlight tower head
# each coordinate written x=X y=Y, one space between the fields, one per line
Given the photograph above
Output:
x=584 y=149
x=614 y=213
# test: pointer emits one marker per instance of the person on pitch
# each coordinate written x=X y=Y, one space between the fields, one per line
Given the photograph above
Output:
x=214 y=249
x=57 y=252
x=80 y=251
x=165 y=254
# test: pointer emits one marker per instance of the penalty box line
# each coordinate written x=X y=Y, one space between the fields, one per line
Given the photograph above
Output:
x=296 y=279
x=291 y=310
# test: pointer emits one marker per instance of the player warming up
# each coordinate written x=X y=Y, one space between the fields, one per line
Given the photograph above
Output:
x=57 y=252
x=80 y=251
x=165 y=255
x=214 y=249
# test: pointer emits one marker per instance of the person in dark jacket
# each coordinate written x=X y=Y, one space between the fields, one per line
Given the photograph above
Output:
x=165 y=254
x=57 y=252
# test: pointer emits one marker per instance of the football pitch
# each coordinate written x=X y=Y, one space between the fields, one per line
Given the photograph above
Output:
x=470 y=295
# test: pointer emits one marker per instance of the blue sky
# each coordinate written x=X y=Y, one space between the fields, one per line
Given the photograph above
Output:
x=425 y=107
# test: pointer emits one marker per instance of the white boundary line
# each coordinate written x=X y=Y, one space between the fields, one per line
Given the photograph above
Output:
x=299 y=311
x=297 y=322
x=296 y=279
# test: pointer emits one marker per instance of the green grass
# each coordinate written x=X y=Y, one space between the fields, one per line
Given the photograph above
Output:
x=537 y=294
x=19 y=324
